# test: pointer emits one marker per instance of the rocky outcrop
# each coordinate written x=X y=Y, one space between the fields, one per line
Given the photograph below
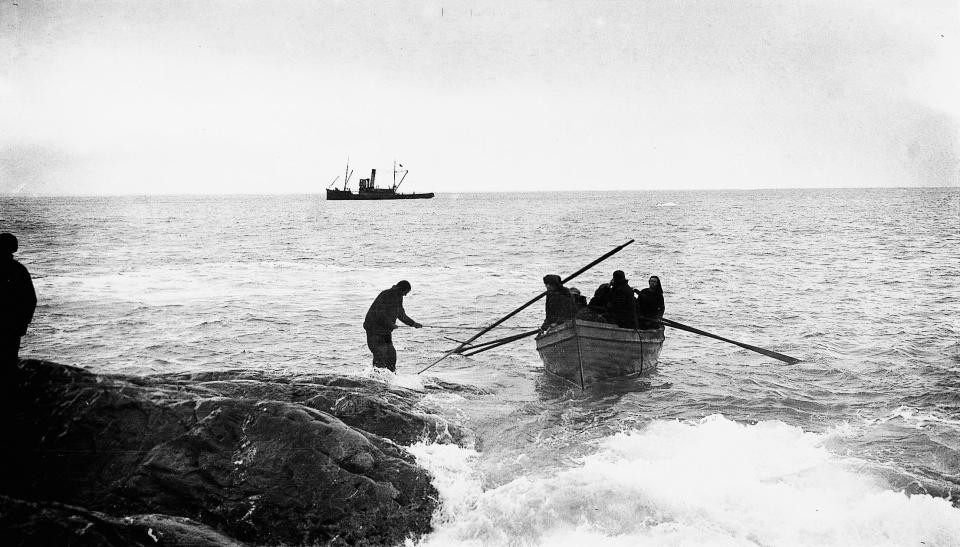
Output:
x=375 y=407
x=49 y=523
x=257 y=459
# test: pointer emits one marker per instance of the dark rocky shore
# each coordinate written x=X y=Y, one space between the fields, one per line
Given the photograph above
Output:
x=225 y=458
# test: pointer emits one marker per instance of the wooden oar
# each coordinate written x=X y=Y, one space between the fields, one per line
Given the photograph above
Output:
x=480 y=348
x=452 y=327
x=767 y=352
x=475 y=346
x=498 y=343
x=505 y=339
x=521 y=308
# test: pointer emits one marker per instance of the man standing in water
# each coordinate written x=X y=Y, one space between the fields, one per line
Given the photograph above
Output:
x=18 y=301
x=380 y=321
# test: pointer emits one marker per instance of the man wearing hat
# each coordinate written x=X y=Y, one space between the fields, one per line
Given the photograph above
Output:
x=559 y=302
x=18 y=301
x=621 y=307
x=380 y=321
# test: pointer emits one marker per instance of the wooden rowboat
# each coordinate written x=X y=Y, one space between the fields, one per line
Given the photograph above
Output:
x=585 y=352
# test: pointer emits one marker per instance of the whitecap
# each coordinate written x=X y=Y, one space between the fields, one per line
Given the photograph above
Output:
x=709 y=482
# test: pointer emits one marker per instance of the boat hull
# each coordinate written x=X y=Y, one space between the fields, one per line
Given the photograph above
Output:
x=349 y=195
x=585 y=352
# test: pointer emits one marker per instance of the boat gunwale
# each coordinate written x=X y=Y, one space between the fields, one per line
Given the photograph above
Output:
x=551 y=344
x=570 y=328
x=571 y=335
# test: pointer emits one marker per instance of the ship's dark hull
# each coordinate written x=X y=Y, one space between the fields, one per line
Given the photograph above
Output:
x=350 y=195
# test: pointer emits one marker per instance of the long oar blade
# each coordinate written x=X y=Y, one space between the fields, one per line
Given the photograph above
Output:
x=767 y=352
x=523 y=307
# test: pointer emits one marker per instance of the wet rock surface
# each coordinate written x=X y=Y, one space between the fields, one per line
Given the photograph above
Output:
x=49 y=523
x=242 y=456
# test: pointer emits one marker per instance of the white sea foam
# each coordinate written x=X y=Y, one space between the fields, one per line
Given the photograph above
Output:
x=454 y=477
x=916 y=418
x=409 y=381
x=713 y=482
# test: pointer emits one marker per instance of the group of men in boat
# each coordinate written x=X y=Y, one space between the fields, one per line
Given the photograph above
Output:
x=615 y=302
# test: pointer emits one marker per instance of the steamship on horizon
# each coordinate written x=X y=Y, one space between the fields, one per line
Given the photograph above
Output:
x=368 y=190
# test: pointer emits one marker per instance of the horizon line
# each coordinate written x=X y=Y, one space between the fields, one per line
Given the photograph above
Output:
x=322 y=194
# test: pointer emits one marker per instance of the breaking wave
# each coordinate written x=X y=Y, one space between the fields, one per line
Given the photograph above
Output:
x=707 y=482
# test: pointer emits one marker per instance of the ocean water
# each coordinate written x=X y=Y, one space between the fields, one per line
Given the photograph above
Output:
x=859 y=444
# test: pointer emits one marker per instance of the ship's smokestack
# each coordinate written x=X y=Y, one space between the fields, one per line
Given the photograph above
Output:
x=373 y=177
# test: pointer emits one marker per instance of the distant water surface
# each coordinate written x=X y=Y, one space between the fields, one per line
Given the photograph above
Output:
x=857 y=445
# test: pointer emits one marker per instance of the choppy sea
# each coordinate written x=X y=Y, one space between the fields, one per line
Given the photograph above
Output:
x=859 y=444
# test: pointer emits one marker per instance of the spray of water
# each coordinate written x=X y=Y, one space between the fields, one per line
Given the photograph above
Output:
x=711 y=482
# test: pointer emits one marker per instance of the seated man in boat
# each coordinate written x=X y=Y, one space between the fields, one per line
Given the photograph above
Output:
x=621 y=306
x=380 y=321
x=600 y=297
x=650 y=304
x=582 y=310
x=559 y=302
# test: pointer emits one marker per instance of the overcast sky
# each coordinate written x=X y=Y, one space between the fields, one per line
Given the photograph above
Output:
x=200 y=96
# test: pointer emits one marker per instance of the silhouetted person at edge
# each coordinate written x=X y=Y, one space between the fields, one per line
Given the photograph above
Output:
x=650 y=305
x=380 y=321
x=559 y=307
x=18 y=301
x=621 y=306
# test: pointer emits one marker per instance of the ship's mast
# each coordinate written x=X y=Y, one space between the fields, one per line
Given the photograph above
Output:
x=347 y=173
x=395 y=183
